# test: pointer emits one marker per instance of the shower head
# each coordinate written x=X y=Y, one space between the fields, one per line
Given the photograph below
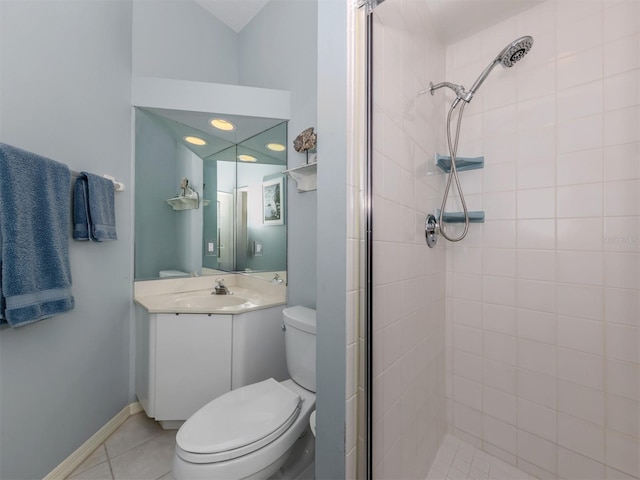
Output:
x=509 y=55
x=515 y=51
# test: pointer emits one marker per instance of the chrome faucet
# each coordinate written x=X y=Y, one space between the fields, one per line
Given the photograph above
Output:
x=220 y=288
x=277 y=279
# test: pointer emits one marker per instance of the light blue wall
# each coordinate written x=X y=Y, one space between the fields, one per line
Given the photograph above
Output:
x=63 y=378
x=155 y=169
x=278 y=49
x=332 y=237
x=179 y=39
x=66 y=88
x=210 y=214
x=189 y=222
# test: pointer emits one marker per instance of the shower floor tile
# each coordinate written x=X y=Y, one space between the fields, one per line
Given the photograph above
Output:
x=459 y=460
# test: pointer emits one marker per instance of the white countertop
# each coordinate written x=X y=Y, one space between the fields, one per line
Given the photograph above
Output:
x=163 y=296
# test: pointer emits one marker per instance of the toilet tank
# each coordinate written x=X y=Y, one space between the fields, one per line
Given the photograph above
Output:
x=300 y=345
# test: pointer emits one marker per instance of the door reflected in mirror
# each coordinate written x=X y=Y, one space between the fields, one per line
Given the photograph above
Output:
x=239 y=224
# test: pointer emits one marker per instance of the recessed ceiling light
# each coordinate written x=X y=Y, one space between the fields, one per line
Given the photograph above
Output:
x=221 y=124
x=276 y=147
x=195 y=140
x=247 y=158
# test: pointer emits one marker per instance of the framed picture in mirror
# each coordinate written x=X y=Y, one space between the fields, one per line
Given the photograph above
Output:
x=272 y=201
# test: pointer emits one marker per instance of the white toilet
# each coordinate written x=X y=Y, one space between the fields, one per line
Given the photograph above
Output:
x=249 y=433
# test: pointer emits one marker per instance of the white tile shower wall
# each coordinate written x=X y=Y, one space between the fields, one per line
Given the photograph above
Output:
x=543 y=312
x=409 y=278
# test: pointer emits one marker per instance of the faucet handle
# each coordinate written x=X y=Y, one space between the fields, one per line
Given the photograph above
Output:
x=220 y=282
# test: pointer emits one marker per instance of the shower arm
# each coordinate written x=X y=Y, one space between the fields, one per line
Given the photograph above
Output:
x=459 y=90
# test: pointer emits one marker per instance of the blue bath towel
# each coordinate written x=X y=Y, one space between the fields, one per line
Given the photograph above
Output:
x=35 y=277
x=93 y=209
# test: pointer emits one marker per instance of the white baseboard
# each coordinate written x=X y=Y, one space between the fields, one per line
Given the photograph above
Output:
x=135 y=408
x=87 y=448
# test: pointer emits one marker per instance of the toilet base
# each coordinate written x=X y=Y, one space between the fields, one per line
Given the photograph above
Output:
x=301 y=462
x=170 y=424
x=183 y=469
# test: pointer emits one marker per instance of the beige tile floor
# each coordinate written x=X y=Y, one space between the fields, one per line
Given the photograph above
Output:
x=138 y=450
x=141 y=450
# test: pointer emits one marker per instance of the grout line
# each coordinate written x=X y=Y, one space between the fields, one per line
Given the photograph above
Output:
x=165 y=473
x=136 y=445
x=110 y=468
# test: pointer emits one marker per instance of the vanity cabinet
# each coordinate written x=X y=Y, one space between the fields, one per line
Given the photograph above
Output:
x=182 y=362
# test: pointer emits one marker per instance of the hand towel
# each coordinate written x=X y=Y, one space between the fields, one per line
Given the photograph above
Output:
x=93 y=208
x=35 y=277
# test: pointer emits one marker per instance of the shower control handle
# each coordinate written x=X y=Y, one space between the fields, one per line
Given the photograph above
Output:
x=431 y=230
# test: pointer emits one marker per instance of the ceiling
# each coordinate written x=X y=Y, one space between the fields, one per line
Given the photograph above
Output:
x=235 y=13
x=455 y=19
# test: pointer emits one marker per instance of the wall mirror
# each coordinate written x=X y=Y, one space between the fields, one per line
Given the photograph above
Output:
x=231 y=215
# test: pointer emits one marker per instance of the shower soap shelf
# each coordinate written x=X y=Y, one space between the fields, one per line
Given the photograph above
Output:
x=444 y=163
x=458 y=217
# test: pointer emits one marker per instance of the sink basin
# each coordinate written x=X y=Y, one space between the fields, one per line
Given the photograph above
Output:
x=207 y=300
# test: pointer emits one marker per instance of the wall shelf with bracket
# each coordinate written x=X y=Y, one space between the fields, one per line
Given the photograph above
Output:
x=185 y=202
x=306 y=176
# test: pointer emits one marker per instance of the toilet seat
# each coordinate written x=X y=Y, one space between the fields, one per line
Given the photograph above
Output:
x=238 y=422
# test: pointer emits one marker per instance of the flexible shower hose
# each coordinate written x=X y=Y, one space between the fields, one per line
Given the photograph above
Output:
x=453 y=174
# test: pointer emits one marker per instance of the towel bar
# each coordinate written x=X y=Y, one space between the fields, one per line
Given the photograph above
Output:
x=117 y=186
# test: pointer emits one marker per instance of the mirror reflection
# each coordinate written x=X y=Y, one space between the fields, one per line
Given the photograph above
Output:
x=231 y=216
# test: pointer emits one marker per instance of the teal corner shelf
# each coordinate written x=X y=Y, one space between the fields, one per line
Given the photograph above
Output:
x=458 y=217
x=444 y=163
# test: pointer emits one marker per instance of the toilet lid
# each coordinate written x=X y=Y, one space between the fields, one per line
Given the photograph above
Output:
x=239 y=418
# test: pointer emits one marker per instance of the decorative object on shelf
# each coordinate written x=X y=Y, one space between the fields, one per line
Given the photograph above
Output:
x=184 y=185
x=189 y=199
x=306 y=141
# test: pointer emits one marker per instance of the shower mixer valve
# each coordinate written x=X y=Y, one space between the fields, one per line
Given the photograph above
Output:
x=431 y=229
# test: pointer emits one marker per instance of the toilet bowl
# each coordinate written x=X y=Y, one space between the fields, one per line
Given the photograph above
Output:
x=249 y=433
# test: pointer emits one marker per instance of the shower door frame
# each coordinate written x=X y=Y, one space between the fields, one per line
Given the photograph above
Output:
x=367 y=206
